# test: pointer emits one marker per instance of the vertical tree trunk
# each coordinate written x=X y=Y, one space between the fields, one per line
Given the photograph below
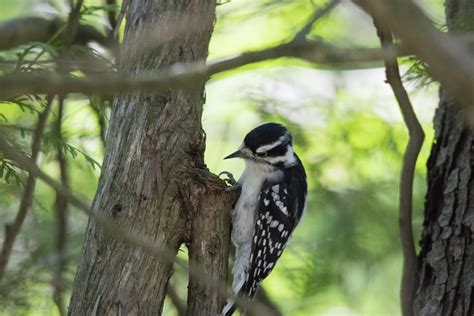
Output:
x=154 y=179
x=446 y=261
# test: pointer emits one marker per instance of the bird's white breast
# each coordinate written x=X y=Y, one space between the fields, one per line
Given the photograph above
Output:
x=244 y=212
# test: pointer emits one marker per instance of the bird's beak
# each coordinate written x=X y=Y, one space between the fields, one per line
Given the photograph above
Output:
x=238 y=154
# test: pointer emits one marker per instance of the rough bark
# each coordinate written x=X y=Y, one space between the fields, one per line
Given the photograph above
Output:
x=208 y=250
x=446 y=261
x=154 y=179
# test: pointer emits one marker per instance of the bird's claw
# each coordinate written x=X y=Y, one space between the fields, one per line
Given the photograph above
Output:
x=230 y=181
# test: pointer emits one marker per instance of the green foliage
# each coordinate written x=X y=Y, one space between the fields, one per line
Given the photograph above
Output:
x=8 y=171
x=95 y=10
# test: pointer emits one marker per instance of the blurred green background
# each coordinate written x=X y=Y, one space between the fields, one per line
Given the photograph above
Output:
x=345 y=257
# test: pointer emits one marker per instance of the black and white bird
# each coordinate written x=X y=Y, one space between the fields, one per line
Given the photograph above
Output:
x=270 y=206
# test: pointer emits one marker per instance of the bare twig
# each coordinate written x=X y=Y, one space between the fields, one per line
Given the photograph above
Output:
x=449 y=60
x=12 y=230
x=182 y=75
x=415 y=141
x=60 y=212
x=318 y=14
x=176 y=300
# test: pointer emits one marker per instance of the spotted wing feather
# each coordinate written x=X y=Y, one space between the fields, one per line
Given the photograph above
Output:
x=273 y=224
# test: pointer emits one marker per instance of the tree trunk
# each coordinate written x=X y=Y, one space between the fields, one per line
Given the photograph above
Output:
x=154 y=179
x=446 y=261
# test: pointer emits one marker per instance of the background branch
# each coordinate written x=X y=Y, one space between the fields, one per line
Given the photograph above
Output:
x=16 y=32
x=429 y=44
x=12 y=230
x=60 y=212
x=415 y=142
x=191 y=74
x=98 y=106
x=449 y=59
x=121 y=15
x=111 y=17
x=176 y=300
x=263 y=298
x=72 y=25
x=318 y=14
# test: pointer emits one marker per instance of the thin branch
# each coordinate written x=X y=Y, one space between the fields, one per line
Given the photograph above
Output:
x=61 y=204
x=449 y=59
x=111 y=16
x=60 y=212
x=72 y=24
x=182 y=75
x=20 y=31
x=415 y=142
x=121 y=15
x=263 y=297
x=99 y=108
x=12 y=230
x=176 y=300
x=317 y=15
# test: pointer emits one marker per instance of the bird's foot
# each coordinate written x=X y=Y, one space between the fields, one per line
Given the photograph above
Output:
x=230 y=181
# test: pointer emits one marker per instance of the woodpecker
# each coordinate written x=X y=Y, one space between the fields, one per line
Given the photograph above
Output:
x=270 y=206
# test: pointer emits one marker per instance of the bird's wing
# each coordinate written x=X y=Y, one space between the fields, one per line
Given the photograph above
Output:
x=273 y=227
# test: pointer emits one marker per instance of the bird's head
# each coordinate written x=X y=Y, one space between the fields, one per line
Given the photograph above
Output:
x=270 y=143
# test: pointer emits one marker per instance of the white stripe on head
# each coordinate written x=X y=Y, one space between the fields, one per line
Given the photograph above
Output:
x=288 y=159
x=276 y=143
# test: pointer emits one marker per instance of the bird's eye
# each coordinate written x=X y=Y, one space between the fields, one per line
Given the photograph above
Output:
x=261 y=154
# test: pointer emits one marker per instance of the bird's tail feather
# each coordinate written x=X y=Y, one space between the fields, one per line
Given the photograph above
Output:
x=239 y=272
x=230 y=307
